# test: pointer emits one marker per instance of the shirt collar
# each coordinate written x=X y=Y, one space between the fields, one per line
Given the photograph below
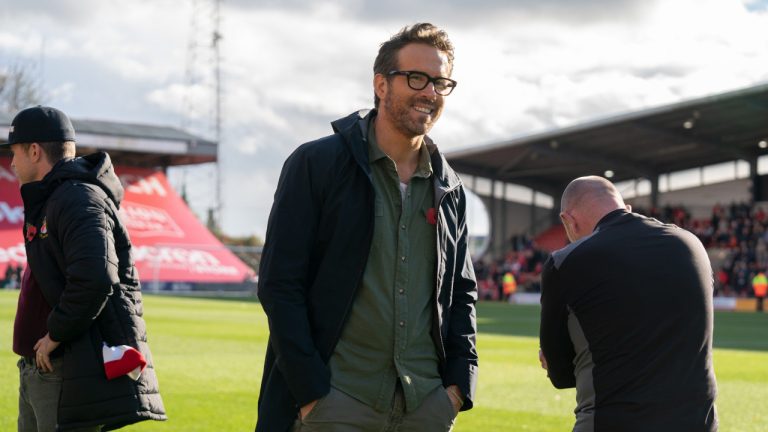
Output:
x=424 y=169
x=425 y=162
x=374 y=152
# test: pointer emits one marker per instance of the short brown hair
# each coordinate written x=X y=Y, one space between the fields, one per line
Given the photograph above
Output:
x=424 y=33
x=57 y=150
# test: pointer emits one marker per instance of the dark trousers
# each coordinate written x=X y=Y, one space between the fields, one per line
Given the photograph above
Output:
x=39 y=398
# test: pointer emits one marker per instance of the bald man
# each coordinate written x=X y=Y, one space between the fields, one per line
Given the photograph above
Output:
x=626 y=317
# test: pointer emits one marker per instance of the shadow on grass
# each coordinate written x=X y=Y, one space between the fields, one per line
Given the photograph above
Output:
x=233 y=297
x=733 y=330
x=505 y=319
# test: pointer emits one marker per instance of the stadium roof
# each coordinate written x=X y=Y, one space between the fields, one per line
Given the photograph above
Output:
x=136 y=144
x=642 y=144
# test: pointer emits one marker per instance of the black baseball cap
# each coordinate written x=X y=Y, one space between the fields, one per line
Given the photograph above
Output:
x=40 y=124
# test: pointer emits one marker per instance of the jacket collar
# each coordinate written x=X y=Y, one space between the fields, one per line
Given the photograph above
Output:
x=446 y=178
x=560 y=255
x=609 y=218
x=354 y=131
x=35 y=194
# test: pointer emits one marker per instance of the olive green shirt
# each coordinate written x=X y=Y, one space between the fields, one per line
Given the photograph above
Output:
x=387 y=337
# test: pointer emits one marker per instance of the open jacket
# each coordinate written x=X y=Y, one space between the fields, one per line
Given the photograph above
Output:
x=79 y=253
x=318 y=239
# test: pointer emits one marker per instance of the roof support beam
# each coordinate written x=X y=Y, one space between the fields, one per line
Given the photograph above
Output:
x=513 y=162
x=684 y=138
x=607 y=163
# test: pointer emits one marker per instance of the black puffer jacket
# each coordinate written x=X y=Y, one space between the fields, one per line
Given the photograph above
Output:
x=79 y=252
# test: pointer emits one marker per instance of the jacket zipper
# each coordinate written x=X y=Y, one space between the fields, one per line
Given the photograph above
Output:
x=436 y=305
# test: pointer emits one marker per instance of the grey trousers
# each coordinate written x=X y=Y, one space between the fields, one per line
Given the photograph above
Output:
x=39 y=398
x=338 y=412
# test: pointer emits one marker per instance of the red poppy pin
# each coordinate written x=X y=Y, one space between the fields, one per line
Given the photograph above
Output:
x=432 y=216
x=31 y=232
x=44 y=229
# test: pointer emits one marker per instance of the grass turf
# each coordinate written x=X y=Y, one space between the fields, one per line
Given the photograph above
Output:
x=209 y=357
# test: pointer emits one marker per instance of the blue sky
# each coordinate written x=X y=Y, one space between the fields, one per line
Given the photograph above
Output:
x=291 y=67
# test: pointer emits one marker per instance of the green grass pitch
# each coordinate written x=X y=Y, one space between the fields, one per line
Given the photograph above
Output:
x=209 y=358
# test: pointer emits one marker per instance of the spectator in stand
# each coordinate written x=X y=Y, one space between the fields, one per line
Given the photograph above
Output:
x=722 y=278
x=741 y=281
x=13 y=276
x=17 y=275
x=9 y=274
x=760 y=287
x=510 y=286
x=487 y=289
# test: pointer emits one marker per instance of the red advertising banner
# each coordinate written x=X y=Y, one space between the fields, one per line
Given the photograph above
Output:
x=169 y=243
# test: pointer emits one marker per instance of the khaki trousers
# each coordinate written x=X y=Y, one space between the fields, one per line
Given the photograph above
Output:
x=338 y=412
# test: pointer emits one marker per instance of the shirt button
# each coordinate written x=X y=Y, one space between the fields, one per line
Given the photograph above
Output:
x=401 y=291
x=402 y=258
x=402 y=323
x=402 y=226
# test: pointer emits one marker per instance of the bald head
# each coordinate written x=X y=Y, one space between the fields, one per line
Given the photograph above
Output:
x=591 y=191
x=585 y=201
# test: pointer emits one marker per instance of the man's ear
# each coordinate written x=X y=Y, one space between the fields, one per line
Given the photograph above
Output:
x=570 y=225
x=566 y=216
x=628 y=207
x=380 y=85
x=35 y=152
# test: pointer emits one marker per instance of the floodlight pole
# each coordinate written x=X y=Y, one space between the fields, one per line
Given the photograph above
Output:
x=215 y=39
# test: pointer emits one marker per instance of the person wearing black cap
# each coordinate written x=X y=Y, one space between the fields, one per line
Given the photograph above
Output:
x=626 y=317
x=80 y=289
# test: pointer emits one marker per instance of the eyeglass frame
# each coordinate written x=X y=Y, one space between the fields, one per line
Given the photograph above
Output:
x=433 y=80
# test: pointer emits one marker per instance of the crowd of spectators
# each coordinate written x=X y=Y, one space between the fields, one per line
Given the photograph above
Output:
x=523 y=260
x=739 y=231
x=735 y=234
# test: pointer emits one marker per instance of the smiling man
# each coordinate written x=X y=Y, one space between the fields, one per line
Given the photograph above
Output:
x=365 y=274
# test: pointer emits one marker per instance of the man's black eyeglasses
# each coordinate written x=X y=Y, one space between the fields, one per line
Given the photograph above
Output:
x=419 y=81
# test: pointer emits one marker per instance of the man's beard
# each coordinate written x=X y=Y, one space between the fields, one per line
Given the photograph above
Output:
x=400 y=111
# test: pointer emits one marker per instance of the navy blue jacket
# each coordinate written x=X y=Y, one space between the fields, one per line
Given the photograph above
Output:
x=317 y=243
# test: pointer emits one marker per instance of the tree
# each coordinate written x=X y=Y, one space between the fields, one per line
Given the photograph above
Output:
x=19 y=88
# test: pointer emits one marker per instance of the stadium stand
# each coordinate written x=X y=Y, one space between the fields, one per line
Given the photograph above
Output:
x=700 y=151
x=736 y=237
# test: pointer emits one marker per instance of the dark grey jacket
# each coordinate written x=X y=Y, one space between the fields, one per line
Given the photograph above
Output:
x=317 y=244
x=79 y=253
x=626 y=318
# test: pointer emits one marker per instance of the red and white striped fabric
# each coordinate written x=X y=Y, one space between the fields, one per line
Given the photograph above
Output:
x=123 y=360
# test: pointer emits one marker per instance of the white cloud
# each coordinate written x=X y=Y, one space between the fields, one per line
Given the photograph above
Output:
x=541 y=74
x=178 y=98
x=62 y=92
x=290 y=67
